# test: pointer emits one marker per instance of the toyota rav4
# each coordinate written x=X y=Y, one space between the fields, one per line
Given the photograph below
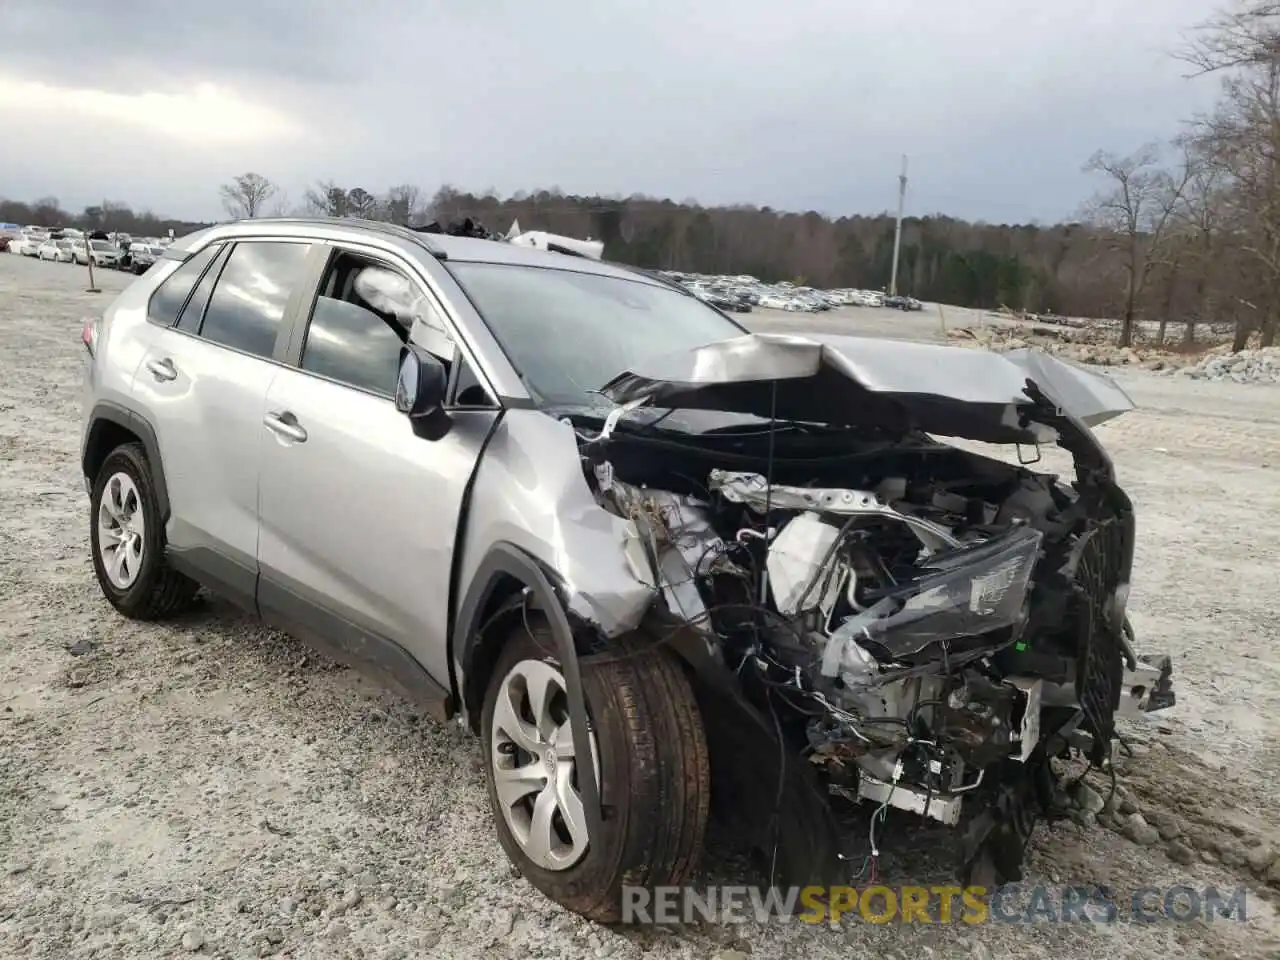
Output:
x=663 y=567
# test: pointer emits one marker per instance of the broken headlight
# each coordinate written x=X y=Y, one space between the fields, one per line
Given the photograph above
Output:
x=964 y=592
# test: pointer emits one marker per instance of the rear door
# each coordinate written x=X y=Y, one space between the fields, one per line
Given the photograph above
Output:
x=358 y=513
x=205 y=380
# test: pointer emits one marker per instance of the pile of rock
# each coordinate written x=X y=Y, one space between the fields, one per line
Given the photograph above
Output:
x=1082 y=346
x=1147 y=818
x=1247 y=366
x=1095 y=345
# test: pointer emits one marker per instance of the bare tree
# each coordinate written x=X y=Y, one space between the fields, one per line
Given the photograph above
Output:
x=46 y=212
x=280 y=206
x=326 y=199
x=1242 y=137
x=448 y=204
x=361 y=203
x=402 y=204
x=1135 y=211
x=1201 y=216
x=246 y=196
x=1245 y=34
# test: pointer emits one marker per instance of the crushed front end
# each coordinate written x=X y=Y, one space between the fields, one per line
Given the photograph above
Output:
x=913 y=626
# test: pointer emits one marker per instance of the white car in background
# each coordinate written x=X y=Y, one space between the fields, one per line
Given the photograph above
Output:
x=59 y=251
x=104 y=253
x=142 y=256
x=26 y=245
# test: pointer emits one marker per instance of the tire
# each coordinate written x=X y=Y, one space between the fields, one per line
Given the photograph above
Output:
x=654 y=773
x=149 y=588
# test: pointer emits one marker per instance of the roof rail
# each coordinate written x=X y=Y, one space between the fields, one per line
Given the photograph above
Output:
x=423 y=240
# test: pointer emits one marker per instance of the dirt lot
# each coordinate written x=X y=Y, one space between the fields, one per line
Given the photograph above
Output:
x=210 y=786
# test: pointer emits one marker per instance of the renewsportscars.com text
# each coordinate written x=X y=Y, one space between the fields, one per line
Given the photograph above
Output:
x=1011 y=903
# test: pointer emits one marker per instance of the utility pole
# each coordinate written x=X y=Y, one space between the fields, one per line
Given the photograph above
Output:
x=897 y=230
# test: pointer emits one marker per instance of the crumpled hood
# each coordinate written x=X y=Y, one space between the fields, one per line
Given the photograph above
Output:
x=863 y=381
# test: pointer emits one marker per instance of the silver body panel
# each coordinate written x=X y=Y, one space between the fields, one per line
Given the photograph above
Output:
x=208 y=423
x=530 y=492
x=361 y=517
x=829 y=378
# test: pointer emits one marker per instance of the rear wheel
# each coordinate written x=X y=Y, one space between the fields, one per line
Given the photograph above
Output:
x=647 y=746
x=127 y=539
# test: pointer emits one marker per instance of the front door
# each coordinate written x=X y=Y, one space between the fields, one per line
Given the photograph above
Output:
x=359 y=514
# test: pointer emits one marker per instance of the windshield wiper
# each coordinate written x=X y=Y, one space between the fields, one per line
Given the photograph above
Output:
x=763 y=428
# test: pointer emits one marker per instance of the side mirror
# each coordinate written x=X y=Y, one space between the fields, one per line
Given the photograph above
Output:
x=422 y=383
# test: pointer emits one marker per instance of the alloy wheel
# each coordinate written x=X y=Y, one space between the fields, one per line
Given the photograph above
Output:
x=121 y=530
x=534 y=763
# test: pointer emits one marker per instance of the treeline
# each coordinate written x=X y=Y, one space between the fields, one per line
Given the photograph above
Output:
x=108 y=215
x=943 y=259
x=1075 y=269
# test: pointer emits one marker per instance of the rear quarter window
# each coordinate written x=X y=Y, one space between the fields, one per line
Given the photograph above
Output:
x=172 y=294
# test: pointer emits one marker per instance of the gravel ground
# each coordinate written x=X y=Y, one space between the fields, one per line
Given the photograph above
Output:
x=210 y=786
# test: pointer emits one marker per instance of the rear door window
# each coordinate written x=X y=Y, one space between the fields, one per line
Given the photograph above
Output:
x=249 y=299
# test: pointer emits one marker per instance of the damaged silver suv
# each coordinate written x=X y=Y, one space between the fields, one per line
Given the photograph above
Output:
x=665 y=569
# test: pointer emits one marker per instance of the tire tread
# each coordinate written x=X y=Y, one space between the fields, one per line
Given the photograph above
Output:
x=643 y=705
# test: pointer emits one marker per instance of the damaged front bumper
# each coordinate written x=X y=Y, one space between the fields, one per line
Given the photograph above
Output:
x=925 y=640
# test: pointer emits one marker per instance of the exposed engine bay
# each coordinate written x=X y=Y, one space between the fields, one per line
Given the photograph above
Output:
x=925 y=624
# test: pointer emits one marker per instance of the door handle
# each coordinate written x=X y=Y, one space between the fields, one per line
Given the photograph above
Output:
x=285 y=425
x=163 y=369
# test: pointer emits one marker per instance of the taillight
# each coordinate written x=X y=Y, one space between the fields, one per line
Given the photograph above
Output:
x=89 y=335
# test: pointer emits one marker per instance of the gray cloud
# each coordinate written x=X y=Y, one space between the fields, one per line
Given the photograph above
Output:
x=800 y=105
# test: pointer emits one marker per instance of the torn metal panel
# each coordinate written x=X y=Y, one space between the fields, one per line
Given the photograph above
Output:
x=675 y=536
x=1146 y=687
x=889 y=384
x=530 y=492
x=945 y=808
x=1027 y=734
x=754 y=491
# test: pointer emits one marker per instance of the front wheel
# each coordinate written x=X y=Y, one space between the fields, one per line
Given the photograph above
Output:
x=649 y=751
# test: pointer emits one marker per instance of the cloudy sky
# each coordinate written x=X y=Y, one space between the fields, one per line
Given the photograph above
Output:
x=799 y=104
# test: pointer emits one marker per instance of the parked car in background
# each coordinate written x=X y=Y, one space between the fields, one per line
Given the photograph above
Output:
x=25 y=245
x=104 y=253
x=140 y=257
x=903 y=303
x=59 y=251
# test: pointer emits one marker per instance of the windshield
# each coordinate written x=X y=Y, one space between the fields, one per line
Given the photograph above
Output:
x=63 y=244
x=100 y=245
x=569 y=333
